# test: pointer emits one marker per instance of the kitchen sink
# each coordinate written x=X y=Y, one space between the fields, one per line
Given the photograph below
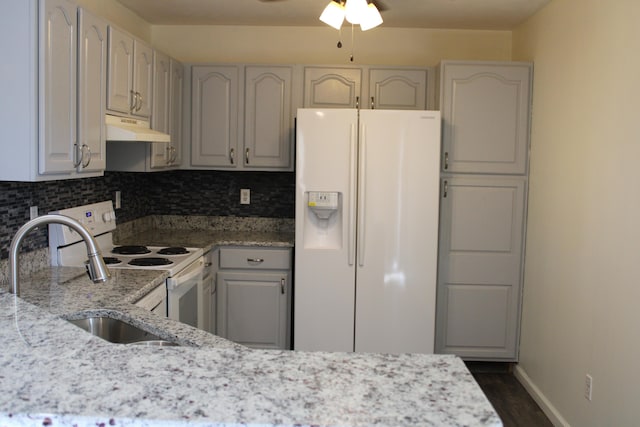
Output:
x=119 y=332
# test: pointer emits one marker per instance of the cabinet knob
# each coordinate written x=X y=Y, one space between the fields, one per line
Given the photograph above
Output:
x=246 y=156
x=446 y=160
x=282 y=286
x=373 y=104
x=232 y=156
x=445 y=189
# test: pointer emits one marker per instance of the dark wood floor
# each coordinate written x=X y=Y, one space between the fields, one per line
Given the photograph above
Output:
x=508 y=397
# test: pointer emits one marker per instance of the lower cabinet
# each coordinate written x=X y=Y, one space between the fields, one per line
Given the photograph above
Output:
x=254 y=296
x=480 y=267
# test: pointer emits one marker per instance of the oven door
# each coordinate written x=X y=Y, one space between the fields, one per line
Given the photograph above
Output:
x=182 y=293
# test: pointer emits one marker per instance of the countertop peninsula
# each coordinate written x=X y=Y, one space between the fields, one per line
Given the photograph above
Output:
x=54 y=373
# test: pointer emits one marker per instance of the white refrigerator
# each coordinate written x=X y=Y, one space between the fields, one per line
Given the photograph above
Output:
x=367 y=194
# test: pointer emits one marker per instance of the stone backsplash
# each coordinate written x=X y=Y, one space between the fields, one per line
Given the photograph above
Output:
x=180 y=192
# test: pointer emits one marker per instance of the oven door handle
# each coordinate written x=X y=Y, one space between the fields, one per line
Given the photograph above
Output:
x=186 y=275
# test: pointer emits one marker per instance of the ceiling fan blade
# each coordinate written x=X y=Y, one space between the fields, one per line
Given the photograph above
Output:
x=379 y=5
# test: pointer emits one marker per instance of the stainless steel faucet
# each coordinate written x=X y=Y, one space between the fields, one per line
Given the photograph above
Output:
x=98 y=271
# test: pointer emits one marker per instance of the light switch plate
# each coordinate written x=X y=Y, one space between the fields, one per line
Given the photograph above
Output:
x=245 y=196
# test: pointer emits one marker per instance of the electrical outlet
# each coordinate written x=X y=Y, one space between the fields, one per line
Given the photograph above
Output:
x=588 y=387
x=33 y=212
x=245 y=196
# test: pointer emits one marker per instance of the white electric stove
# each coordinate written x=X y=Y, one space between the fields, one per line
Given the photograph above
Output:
x=185 y=265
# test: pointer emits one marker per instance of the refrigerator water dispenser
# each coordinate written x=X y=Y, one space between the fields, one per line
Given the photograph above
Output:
x=323 y=223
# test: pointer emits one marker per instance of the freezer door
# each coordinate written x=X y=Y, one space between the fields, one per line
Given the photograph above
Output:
x=397 y=231
x=324 y=275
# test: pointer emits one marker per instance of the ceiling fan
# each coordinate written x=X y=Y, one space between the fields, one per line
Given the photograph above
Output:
x=377 y=3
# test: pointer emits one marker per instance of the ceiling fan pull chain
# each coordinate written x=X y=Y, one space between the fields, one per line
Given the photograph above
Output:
x=352 y=43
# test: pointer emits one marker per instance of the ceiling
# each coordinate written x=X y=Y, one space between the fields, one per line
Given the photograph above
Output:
x=458 y=14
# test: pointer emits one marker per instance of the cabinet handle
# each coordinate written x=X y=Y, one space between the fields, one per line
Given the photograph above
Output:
x=373 y=106
x=84 y=165
x=174 y=154
x=139 y=106
x=446 y=160
x=357 y=102
x=282 y=286
x=445 y=189
x=232 y=155
x=134 y=101
x=78 y=155
x=246 y=156
x=257 y=260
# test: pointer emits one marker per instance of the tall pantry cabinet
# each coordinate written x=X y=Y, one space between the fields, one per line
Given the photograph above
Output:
x=485 y=110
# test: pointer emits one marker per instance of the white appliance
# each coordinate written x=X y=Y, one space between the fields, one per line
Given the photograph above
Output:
x=132 y=130
x=178 y=299
x=367 y=195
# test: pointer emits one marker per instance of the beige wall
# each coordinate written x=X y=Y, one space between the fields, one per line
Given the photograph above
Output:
x=397 y=46
x=581 y=310
x=117 y=14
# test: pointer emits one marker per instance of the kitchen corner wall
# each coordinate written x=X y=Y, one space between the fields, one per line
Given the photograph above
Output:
x=215 y=193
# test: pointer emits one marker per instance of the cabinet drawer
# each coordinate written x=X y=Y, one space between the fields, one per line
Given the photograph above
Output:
x=255 y=258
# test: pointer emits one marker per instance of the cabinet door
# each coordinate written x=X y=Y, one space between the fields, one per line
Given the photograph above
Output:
x=57 y=113
x=480 y=267
x=214 y=116
x=143 y=78
x=485 y=112
x=268 y=130
x=120 y=75
x=204 y=302
x=331 y=87
x=175 y=111
x=253 y=308
x=393 y=89
x=92 y=81
x=160 y=120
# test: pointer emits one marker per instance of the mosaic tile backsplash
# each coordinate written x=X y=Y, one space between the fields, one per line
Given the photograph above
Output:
x=210 y=193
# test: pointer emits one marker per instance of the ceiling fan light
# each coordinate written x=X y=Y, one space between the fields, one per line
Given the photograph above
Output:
x=355 y=10
x=333 y=15
x=371 y=18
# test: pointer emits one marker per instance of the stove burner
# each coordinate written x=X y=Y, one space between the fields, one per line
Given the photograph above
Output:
x=150 y=261
x=109 y=260
x=174 y=250
x=130 y=250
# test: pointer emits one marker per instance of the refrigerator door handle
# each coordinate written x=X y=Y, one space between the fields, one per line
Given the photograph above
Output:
x=353 y=158
x=361 y=194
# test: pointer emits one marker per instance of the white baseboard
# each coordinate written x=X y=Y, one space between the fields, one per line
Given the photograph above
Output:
x=547 y=407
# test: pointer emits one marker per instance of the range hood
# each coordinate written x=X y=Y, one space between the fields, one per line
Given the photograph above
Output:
x=134 y=130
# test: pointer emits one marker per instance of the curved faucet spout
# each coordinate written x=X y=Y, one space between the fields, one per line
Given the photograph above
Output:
x=98 y=271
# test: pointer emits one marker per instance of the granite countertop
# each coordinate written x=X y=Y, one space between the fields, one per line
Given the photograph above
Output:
x=207 y=239
x=54 y=373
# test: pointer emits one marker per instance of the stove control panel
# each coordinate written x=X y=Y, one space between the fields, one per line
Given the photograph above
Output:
x=98 y=218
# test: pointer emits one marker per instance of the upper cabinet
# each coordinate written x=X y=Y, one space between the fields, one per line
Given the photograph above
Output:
x=214 y=116
x=392 y=88
x=55 y=120
x=92 y=90
x=166 y=117
x=176 y=100
x=485 y=112
x=397 y=89
x=250 y=132
x=268 y=133
x=161 y=153
x=130 y=84
x=332 y=87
